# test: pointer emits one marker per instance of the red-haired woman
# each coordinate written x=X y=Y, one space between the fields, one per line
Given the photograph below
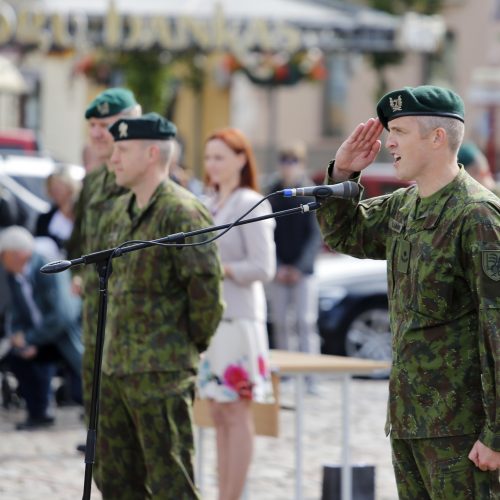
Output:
x=234 y=370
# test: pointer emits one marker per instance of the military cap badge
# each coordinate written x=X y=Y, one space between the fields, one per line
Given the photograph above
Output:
x=123 y=130
x=103 y=108
x=396 y=104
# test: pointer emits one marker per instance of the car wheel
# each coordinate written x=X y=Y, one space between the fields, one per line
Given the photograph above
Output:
x=368 y=335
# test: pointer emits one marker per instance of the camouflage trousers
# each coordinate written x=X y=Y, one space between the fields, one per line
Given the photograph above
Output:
x=438 y=469
x=145 y=437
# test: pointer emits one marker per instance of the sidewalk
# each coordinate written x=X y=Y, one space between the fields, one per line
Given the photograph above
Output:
x=45 y=464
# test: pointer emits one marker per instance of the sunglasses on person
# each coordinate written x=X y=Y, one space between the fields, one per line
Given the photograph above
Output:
x=288 y=160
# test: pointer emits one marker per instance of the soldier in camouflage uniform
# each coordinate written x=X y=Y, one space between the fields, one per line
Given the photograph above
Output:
x=92 y=213
x=476 y=164
x=164 y=306
x=441 y=241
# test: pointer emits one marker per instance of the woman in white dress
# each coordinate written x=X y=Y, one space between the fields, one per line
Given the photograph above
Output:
x=234 y=371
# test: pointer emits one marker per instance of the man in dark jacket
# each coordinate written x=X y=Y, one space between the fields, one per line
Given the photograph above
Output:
x=44 y=326
x=293 y=295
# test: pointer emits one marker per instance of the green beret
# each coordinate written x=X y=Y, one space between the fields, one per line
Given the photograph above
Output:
x=426 y=100
x=110 y=102
x=468 y=153
x=149 y=126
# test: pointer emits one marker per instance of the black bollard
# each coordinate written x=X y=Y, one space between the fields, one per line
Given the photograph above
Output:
x=363 y=482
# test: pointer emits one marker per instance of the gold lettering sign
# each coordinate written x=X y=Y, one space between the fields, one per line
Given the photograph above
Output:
x=199 y=32
x=162 y=28
x=31 y=27
x=129 y=32
x=139 y=36
x=60 y=32
x=113 y=28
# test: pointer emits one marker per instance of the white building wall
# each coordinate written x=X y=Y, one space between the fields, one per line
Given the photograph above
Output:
x=63 y=98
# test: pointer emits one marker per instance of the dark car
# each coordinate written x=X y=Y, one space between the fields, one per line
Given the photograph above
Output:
x=353 y=312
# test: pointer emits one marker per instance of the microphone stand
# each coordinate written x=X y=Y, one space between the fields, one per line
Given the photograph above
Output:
x=102 y=259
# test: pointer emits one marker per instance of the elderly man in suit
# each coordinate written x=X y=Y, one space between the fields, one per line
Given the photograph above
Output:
x=44 y=325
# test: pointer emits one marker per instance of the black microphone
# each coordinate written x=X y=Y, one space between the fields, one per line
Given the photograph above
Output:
x=346 y=190
x=55 y=267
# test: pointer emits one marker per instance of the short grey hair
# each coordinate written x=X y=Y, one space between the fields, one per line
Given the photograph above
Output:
x=167 y=149
x=454 y=128
x=132 y=112
x=16 y=238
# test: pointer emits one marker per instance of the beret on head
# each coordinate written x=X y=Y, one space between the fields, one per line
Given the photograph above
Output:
x=468 y=153
x=426 y=100
x=110 y=102
x=150 y=126
x=16 y=238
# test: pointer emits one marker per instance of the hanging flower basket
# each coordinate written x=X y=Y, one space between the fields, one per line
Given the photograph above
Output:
x=94 y=67
x=278 y=68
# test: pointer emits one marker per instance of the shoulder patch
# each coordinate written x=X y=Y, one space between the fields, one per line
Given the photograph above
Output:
x=491 y=264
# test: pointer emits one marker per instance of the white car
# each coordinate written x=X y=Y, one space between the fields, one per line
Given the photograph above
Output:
x=24 y=176
x=353 y=313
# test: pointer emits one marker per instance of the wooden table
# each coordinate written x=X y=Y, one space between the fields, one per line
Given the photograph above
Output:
x=298 y=365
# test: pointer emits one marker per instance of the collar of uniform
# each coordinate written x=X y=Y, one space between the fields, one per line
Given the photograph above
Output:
x=436 y=203
x=136 y=214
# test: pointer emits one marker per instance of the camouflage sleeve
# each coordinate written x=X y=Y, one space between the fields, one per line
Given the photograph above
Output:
x=356 y=228
x=74 y=245
x=481 y=248
x=200 y=271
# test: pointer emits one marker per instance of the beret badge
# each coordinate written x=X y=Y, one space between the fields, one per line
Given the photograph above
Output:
x=103 y=108
x=123 y=130
x=396 y=104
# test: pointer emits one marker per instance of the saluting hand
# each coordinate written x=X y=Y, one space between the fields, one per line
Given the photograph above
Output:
x=359 y=150
x=484 y=458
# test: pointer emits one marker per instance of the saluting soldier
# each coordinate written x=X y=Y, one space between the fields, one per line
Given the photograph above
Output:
x=92 y=211
x=164 y=306
x=441 y=241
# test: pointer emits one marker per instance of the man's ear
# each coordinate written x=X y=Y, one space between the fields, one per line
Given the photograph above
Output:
x=439 y=136
x=153 y=153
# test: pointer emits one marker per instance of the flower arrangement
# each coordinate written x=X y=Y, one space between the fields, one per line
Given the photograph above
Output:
x=264 y=68
x=95 y=67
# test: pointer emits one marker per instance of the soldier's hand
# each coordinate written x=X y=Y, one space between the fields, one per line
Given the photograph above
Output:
x=359 y=150
x=484 y=458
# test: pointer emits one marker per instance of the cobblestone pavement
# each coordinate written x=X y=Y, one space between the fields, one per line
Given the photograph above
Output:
x=45 y=464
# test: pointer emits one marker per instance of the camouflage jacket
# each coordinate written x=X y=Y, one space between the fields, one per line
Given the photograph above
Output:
x=96 y=198
x=443 y=256
x=164 y=302
x=92 y=212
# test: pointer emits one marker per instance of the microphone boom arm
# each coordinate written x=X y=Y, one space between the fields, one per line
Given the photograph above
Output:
x=104 y=255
